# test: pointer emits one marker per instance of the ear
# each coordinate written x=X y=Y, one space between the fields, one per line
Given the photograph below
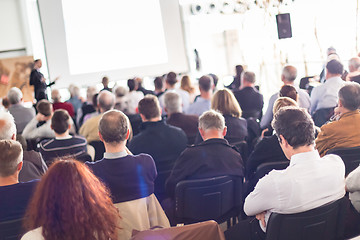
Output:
x=340 y=103
x=224 y=131
x=165 y=109
x=19 y=166
x=143 y=117
x=202 y=133
x=13 y=137
x=283 y=141
x=101 y=137
x=127 y=134
x=69 y=126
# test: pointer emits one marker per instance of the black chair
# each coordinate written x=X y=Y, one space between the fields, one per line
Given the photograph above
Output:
x=164 y=171
x=84 y=157
x=322 y=116
x=242 y=147
x=217 y=198
x=262 y=170
x=11 y=230
x=326 y=222
x=99 y=149
x=350 y=156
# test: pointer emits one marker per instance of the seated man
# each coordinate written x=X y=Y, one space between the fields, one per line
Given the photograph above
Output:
x=203 y=102
x=129 y=177
x=345 y=132
x=14 y=195
x=175 y=117
x=309 y=182
x=21 y=114
x=33 y=164
x=39 y=126
x=213 y=157
x=63 y=144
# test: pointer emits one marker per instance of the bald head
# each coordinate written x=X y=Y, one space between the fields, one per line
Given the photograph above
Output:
x=354 y=64
x=113 y=127
x=106 y=101
x=55 y=95
x=289 y=74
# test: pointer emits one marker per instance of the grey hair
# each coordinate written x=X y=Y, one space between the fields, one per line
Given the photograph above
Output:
x=74 y=90
x=354 y=63
x=90 y=92
x=7 y=126
x=290 y=73
x=14 y=95
x=211 y=120
x=172 y=102
x=106 y=100
x=11 y=156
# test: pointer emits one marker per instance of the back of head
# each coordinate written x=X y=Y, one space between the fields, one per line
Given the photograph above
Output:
x=249 y=77
x=225 y=102
x=120 y=91
x=55 y=95
x=295 y=125
x=171 y=78
x=14 y=95
x=159 y=83
x=335 y=67
x=74 y=90
x=289 y=91
x=132 y=84
x=105 y=81
x=214 y=78
x=7 y=126
x=11 y=155
x=90 y=92
x=349 y=96
x=149 y=107
x=283 y=102
x=211 y=120
x=58 y=212
x=354 y=64
x=60 y=121
x=289 y=73
x=44 y=107
x=106 y=101
x=205 y=83
x=239 y=69
x=113 y=127
x=172 y=102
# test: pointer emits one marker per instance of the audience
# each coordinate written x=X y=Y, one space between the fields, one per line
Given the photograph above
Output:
x=15 y=195
x=202 y=103
x=133 y=96
x=353 y=187
x=250 y=100
x=96 y=107
x=175 y=117
x=236 y=83
x=309 y=181
x=325 y=95
x=57 y=104
x=344 y=131
x=105 y=83
x=121 y=102
x=288 y=77
x=185 y=84
x=39 y=126
x=290 y=92
x=87 y=106
x=22 y=115
x=354 y=70
x=170 y=82
x=129 y=177
x=33 y=164
x=74 y=99
x=213 y=157
x=89 y=130
x=63 y=144
x=141 y=88
x=159 y=86
x=71 y=203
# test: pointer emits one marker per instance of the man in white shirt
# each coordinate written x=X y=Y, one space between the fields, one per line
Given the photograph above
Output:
x=309 y=181
x=326 y=95
x=203 y=102
x=288 y=77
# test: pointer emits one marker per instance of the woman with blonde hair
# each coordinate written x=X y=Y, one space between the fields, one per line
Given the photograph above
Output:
x=187 y=86
x=71 y=203
x=225 y=102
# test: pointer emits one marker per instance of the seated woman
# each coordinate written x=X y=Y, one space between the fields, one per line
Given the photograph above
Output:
x=268 y=149
x=71 y=203
x=225 y=102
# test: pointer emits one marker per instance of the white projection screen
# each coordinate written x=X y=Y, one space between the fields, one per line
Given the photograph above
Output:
x=87 y=39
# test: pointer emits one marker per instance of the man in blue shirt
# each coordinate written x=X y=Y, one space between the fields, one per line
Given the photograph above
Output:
x=202 y=103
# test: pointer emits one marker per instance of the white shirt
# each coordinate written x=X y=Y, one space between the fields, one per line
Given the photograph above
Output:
x=326 y=95
x=35 y=234
x=308 y=182
x=133 y=99
x=353 y=186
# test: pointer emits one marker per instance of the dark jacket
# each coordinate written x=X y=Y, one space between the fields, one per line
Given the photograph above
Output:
x=211 y=158
x=33 y=166
x=161 y=141
x=188 y=123
x=128 y=178
x=251 y=102
x=39 y=85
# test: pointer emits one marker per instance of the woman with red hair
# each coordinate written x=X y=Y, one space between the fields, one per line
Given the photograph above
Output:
x=71 y=203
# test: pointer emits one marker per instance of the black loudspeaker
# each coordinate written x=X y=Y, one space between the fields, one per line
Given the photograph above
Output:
x=284 y=25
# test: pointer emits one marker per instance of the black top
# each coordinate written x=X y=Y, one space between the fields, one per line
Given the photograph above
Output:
x=14 y=200
x=128 y=178
x=39 y=86
x=251 y=102
x=188 y=123
x=211 y=158
x=160 y=140
x=86 y=108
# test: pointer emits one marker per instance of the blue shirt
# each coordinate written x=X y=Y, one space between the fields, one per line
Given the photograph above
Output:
x=326 y=95
x=199 y=106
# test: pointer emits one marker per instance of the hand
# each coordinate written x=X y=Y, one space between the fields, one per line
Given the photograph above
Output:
x=40 y=117
x=57 y=78
x=263 y=132
x=261 y=218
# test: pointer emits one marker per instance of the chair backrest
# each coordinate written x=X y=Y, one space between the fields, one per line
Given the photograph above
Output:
x=242 y=147
x=323 y=115
x=350 y=156
x=99 y=149
x=217 y=198
x=84 y=157
x=11 y=230
x=325 y=222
